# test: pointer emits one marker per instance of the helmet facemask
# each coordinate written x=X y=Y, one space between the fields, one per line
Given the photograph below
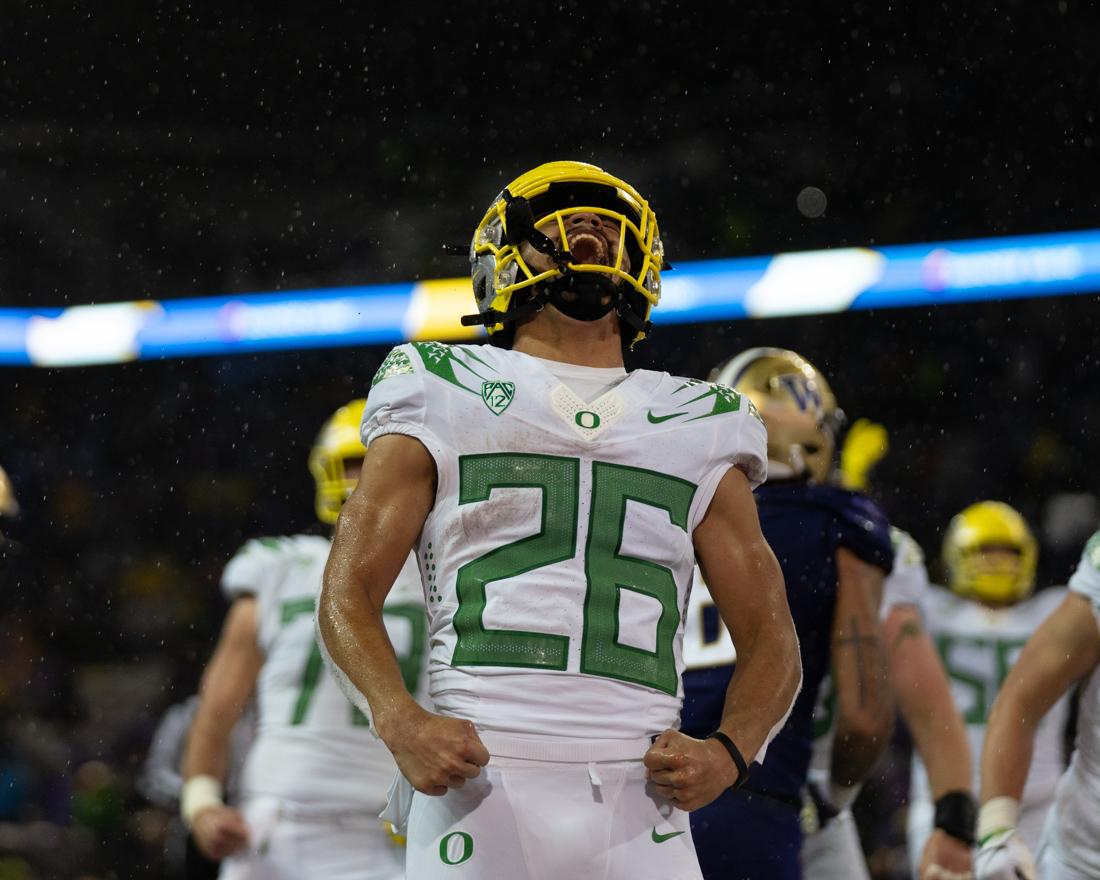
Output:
x=990 y=554
x=508 y=288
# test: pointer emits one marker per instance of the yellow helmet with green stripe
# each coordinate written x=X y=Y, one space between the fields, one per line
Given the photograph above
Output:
x=336 y=444
x=551 y=193
x=990 y=554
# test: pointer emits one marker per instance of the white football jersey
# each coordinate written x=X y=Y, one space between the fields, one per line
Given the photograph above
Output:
x=1077 y=803
x=313 y=746
x=978 y=646
x=558 y=556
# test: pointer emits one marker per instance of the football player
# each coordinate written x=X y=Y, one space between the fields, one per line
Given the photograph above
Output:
x=979 y=625
x=315 y=779
x=1064 y=650
x=831 y=849
x=557 y=505
x=834 y=547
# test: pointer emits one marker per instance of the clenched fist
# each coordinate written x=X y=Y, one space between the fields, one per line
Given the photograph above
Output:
x=689 y=772
x=435 y=753
x=219 y=831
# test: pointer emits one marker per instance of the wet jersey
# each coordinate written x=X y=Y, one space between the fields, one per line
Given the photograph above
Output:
x=978 y=646
x=312 y=746
x=558 y=555
x=804 y=524
x=1077 y=802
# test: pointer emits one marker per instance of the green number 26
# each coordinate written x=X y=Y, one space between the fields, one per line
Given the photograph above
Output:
x=607 y=571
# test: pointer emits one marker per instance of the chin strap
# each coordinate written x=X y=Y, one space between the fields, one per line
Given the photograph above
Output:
x=491 y=316
x=588 y=288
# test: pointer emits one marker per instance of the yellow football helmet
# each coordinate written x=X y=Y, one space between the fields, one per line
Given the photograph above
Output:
x=798 y=407
x=553 y=192
x=8 y=505
x=336 y=444
x=974 y=571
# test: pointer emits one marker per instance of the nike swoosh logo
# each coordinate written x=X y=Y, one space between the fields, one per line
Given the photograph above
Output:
x=656 y=420
x=661 y=838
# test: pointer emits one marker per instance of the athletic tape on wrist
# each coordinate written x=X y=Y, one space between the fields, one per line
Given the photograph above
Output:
x=997 y=814
x=956 y=815
x=738 y=758
x=198 y=793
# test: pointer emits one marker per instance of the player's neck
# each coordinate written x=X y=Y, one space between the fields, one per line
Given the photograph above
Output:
x=556 y=337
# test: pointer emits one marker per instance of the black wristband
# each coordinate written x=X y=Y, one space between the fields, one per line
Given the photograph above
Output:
x=956 y=814
x=735 y=753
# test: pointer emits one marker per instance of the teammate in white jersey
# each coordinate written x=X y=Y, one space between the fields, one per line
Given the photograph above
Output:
x=557 y=505
x=831 y=850
x=979 y=626
x=316 y=778
x=1064 y=650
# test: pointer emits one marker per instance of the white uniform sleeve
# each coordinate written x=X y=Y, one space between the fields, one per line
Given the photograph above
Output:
x=397 y=402
x=252 y=567
x=907 y=583
x=750 y=450
x=740 y=440
x=1086 y=579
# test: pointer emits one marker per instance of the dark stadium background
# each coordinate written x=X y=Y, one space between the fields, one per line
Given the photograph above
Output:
x=166 y=149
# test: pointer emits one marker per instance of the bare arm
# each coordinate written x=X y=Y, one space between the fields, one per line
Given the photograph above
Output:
x=376 y=531
x=227 y=684
x=924 y=699
x=1063 y=649
x=746 y=584
x=865 y=710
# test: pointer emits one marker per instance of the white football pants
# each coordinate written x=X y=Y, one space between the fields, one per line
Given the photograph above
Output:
x=286 y=844
x=540 y=820
x=834 y=852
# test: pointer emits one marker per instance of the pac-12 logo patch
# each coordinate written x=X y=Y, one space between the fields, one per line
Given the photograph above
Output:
x=497 y=395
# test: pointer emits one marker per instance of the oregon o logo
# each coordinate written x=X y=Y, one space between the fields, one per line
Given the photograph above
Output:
x=456 y=848
x=587 y=419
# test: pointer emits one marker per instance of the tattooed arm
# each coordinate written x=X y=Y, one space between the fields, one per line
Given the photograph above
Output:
x=939 y=734
x=865 y=712
x=924 y=699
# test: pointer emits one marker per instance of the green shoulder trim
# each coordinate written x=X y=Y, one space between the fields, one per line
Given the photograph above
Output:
x=906 y=546
x=455 y=364
x=722 y=399
x=396 y=363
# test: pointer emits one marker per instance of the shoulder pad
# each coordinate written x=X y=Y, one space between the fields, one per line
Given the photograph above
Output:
x=251 y=567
